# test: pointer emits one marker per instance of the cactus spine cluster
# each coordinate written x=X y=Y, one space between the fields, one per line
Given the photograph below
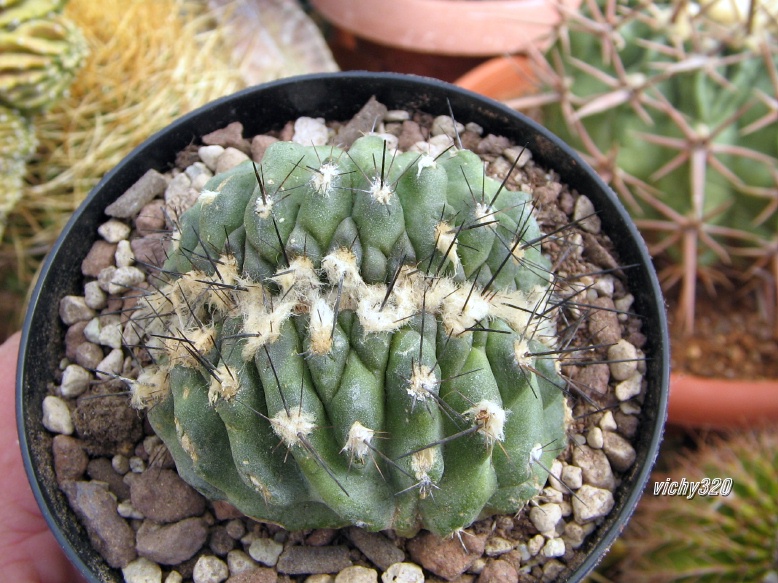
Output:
x=675 y=103
x=359 y=338
x=40 y=53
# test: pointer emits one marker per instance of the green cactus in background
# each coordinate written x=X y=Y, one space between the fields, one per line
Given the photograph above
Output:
x=38 y=61
x=17 y=144
x=676 y=104
x=721 y=523
x=357 y=338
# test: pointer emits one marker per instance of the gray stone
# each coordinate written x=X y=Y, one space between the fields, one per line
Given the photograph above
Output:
x=210 y=569
x=299 y=560
x=265 y=551
x=74 y=309
x=584 y=213
x=129 y=204
x=446 y=557
x=171 y=544
x=591 y=503
x=162 y=496
x=376 y=547
x=620 y=452
x=498 y=571
x=623 y=357
x=109 y=533
x=545 y=517
x=595 y=467
x=70 y=459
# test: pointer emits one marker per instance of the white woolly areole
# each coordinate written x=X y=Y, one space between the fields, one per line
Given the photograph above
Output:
x=323 y=179
x=341 y=264
x=321 y=324
x=422 y=463
x=490 y=419
x=300 y=277
x=464 y=308
x=292 y=426
x=522 y=353
x=445 y=242
x=226 y=386
x=208 y=196
x=150 y=386
x=264 y=206
x=263 y=317
x=358 y=441
x=381 y=191
x=425 y=161
x=535 y=452
x=423 y=383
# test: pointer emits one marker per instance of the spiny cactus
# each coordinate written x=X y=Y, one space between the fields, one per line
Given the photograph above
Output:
x=357 y=337
x=675 y=103
x=38 y=59
x=725 y=531
x=17 y=144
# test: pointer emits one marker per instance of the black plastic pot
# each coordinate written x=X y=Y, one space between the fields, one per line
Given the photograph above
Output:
x=268 y=107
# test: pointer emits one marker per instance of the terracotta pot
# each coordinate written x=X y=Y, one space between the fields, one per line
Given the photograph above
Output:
x=448 y=27
x=721 y=403
x=501 y=78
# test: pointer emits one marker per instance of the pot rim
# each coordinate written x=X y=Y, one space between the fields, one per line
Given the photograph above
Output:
x=293 y=97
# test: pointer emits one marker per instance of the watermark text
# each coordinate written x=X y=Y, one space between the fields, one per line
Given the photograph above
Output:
x=692 y=488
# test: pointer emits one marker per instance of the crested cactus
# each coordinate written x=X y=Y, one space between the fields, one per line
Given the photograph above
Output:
x=39 y=58
x=674 y=102
x=357 y=337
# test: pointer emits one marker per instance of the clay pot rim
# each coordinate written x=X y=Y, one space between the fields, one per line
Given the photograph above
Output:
x=449 y=27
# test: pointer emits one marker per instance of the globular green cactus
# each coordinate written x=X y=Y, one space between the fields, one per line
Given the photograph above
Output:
x=357 y=337
x=17 y=144
x=674 y=102
x=39 y=58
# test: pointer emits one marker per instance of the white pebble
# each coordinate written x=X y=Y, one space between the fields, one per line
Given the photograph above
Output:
x=623 y=357
x=111 y=365
x=397 y=115
x=535 y=544
x=629 y=388
x=572 y=477
x=239 y=562
x=56 y=416
x=444 y=125
x=554 y=547
x=497 y=545
x=591 y=503
x=92 y=331
x=545 y=517
x=210 y=569
x=229 y=159
x=125 y=509
x=142 y=571
x=137 y=465
x=594 y=438
x=197 y=171
x=607 y=422
x=583 y=212
x=357 y=574
x=114 y=231
x=111 y=335
x=210 y=155
x=403 y=573
x=120 y=464
x=124 y=256
x=174 y=577
x=75 y=380
x=310 y=131
x=94 y=297
x=265 y=551
x=74 y=309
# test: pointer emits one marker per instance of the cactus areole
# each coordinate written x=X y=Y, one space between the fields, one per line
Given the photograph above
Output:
x=357 y=338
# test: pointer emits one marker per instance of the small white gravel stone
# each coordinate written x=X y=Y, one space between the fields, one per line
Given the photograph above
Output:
x=320 y=578
x=265 y=551
x=594 y=438
x=198 y=171
x=137 y=465
x=56 y=416
x=114 y=231
x=444 y=125
x=583 y=212
x=523 y=154
x=629 y=388
x=92 y=331
x=120 y=464
x=591 y=503
x=572 y=477
x=310 y=131
x=623 y=357
x=607 y=422
x=111 y=365
x=174 y=577
x=210 y=569
x=111 y=335
x=535 y=544
x=117 y=280
x=74 y=309
x=124 y=256
x=397 y=115
x=94 y=297
x=229 y=159
x=210 y=155
x=75 y=380
x=554 y=547
x=239 y=562
x=127 y=510
x=497 y=545
x=545 y=517
x=357 y=574
x=620 y=452
x=630 y=408
x=403 y=573
x=142 y=571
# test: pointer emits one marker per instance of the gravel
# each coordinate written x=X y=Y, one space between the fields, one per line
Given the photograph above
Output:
x=170 y=533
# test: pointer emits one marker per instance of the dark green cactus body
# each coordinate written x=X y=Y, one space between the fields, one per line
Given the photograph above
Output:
x=349 y=338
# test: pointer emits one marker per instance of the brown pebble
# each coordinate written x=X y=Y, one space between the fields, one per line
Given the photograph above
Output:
x=162 y=496
x=259 y=575
x=100 y=256
x=301 y=560
x=593 y=378
x=604 y=325
x=230 y=136
x=151 y=218
x=225 y=511
x=89 y=355
x=150 y=249
x=70 y=459
x=74 y=337
x=321 y=537
x=171 y=544
x=101 y=469
x=446 y=557
x=497 y=571
x=362 y=123
x=410 y=134
x=259 y=145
